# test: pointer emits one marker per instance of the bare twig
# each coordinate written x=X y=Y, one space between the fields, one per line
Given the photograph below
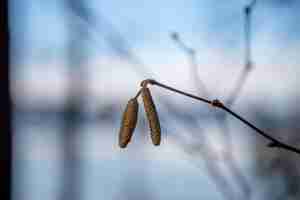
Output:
x=191 y=54
x=218 y=104
x=248 y=56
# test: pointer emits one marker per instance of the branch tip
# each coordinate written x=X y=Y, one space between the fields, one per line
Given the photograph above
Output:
x=175 y=36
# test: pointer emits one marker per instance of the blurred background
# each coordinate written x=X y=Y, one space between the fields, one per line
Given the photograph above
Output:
x=75 y=64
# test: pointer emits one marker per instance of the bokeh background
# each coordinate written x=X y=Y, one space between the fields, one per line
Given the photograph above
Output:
x=75 y=63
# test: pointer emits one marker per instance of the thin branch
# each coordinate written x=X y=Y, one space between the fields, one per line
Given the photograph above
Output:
x=248 y=55
x=231 y=162
x=236 y=91
x=218 y=104
x=221 y=122
x=153 y=82
x=191 y=54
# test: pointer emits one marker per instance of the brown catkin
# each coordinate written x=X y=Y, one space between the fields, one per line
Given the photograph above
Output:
x=129 y=121
x=152 y=116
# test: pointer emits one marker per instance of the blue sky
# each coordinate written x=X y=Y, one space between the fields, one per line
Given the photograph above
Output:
x=213 y=28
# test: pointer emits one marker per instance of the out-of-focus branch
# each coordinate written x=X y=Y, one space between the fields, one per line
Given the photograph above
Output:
x=191 y=54
x=239 y=177
x=234 y=94
x=118 y=43
x=101 y=26
x=201 y=88
x=208 y=157
x=248 y=56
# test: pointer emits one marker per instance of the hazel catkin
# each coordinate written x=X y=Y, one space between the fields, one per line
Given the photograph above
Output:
x=152 y=116
x=129 y=122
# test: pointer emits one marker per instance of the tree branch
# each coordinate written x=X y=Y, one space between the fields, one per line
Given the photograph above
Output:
x=218 y=104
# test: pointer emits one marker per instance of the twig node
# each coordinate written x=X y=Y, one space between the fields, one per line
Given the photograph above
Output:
x=217 y=103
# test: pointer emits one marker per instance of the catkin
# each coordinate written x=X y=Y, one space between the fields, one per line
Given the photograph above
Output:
x=152 y=116
x=129 y=121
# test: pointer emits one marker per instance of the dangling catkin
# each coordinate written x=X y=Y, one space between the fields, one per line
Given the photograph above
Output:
x=129 y=121
x=152 y=116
